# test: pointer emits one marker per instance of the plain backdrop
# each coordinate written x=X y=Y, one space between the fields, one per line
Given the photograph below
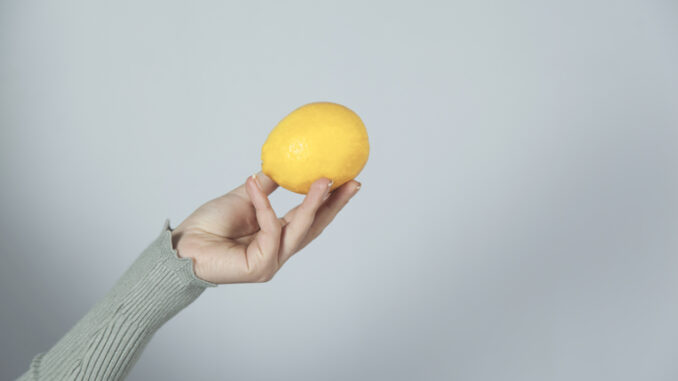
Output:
x=518 y=217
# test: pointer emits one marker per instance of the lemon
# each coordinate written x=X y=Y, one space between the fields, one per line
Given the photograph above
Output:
x=320 y=139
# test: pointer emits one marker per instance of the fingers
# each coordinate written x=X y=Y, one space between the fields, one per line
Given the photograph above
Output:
x=267 y=241
x=267 y=185
x=297 y=228
x=289 y=216
x=328 y=210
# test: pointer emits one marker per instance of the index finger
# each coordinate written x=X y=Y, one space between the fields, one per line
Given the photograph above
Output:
x=267 y=185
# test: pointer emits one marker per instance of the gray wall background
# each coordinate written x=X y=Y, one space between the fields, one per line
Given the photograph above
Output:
x=519 y=212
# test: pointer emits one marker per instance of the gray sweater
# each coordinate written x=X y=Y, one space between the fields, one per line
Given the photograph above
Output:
x=107 y=341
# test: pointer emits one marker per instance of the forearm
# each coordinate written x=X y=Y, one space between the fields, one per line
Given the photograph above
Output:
x=108 y=340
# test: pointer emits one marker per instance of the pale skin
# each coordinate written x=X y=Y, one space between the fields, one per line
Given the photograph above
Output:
x=238 y=238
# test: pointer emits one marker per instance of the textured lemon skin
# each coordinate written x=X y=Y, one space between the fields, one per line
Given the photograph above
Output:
x=320 y=139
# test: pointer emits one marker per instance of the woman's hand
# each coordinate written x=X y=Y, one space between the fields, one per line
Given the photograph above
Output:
x=238 y=238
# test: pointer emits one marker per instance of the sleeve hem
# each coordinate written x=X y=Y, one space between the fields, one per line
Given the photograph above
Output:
x=183 y=266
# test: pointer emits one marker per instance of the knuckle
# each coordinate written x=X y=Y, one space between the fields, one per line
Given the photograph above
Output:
x=266 y=277
x=265 y=272
x=320 y=186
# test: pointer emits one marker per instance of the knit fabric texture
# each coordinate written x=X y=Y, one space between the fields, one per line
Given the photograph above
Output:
x=107 y=341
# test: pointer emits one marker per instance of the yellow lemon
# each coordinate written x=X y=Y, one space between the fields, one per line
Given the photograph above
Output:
x=320 y=139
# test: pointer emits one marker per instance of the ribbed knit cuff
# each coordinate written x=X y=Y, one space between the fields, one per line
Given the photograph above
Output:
x=106 y=342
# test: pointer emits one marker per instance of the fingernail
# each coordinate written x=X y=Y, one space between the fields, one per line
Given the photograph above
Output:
x=327 y=190
x=256 y=181
x=357 y=188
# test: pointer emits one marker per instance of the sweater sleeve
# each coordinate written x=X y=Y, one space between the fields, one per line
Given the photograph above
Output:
x=108 y=340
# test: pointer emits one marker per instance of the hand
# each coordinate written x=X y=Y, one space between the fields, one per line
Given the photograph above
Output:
x=237 y=238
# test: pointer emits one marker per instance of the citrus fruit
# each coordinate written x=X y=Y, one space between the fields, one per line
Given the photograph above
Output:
x=320 y=139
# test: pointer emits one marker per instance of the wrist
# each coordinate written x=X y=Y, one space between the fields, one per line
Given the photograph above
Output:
x=181 y=243
x=176 y=237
